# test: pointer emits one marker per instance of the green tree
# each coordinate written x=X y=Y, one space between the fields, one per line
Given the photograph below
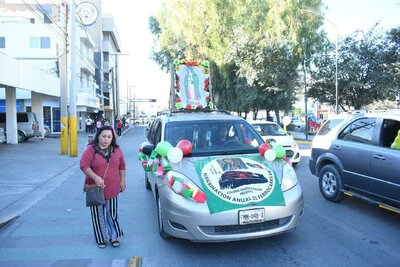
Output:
x=363 y=76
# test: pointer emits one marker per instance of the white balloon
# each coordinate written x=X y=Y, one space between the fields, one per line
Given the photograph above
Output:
x=270 y=155
x=175 y=155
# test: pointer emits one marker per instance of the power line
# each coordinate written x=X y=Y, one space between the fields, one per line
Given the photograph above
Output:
x=42 y=20
x=49 y=17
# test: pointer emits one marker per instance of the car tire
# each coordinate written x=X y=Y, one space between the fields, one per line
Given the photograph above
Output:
x=330 y=183
x=294 y=164
x=161 y=230
x=21 y=137
x=148 y=186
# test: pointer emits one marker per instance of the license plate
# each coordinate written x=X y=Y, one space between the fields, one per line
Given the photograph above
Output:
x=251 y=216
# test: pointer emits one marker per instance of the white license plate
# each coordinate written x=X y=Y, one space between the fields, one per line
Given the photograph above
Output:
x=251 y=216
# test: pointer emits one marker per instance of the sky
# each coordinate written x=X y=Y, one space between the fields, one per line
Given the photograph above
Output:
x=143 y=76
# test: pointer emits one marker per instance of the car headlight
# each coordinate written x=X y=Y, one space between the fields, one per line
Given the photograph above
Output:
x=289 y=178
x=294 y=144
x=185 y=187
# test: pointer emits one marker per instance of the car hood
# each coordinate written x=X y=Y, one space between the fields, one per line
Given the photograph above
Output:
x=285 y=140
x=192 y=167
x=231 y=182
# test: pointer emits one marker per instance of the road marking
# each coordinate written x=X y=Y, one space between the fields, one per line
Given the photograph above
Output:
x=135 y=261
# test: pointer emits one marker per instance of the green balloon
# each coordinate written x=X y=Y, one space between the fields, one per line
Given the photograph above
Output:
x=280 y=152
x=163 y=147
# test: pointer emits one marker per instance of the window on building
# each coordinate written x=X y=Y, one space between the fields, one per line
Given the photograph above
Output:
x=39 y=42
x=2 y=42
x=47 y=13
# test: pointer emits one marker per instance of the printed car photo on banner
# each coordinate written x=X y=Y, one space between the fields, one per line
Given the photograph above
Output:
x=235 y=182
x=192 y=85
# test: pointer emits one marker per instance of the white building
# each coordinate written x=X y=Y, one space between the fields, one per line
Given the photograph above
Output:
x=31 y=38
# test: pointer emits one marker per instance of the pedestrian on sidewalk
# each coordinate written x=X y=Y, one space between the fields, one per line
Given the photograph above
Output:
x=88 y=123
x=98 y=124
x=119 y=127
x=104 y=165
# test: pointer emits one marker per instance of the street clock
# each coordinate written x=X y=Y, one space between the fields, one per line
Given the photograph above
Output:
x=86 y=13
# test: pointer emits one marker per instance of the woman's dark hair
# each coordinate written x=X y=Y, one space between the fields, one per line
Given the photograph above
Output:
x=104 y=128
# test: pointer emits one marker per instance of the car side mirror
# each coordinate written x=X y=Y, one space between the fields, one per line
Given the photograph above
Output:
x=147 y=149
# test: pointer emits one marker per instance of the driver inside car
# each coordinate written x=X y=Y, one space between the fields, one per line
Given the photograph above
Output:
x=223 y=136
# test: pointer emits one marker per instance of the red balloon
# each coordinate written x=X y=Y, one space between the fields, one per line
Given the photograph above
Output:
x=262 y=148
x=185 y=146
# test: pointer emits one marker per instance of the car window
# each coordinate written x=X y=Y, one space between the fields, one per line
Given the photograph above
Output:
x=361 y=130
x=214 y=137
x=153 y=131
x=269 y=129
x=22 y=117
x=389 y=132
x=328 y=126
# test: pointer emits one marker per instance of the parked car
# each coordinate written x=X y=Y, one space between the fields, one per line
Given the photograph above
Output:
x=27 y=125
x=272 y=131
x=218 y=191
x=354 y=155
x=298 y=124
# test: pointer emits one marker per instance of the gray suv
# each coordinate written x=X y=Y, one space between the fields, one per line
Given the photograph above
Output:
x=27 y=123
x=355 y=155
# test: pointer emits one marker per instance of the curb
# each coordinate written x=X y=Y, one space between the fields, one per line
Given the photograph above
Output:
x=303 y=142
x=6 y=220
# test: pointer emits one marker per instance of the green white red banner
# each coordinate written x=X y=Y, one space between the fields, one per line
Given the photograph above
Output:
x=237 y=182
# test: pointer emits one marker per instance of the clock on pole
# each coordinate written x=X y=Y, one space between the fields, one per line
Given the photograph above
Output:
x=87 y=13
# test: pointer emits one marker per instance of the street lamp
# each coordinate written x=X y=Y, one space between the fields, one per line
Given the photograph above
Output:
x=336 y=55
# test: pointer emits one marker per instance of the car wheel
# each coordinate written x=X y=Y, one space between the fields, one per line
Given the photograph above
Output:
x=330 y=183
x=163 y=234
x=148 y=186
x=21 y=137
x=294 y=164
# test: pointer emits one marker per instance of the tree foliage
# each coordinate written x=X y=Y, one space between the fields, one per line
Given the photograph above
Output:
x=364 y=71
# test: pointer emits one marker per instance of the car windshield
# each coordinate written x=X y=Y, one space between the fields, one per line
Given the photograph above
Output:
x=269 y=129
x=214 y=137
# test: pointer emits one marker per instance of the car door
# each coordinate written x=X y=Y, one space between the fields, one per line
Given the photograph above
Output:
x=353 y=149
x=385 y=163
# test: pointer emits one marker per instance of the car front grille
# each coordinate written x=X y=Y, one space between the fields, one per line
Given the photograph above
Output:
x=243 y=229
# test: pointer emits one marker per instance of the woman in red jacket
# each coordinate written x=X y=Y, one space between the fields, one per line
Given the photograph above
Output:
x=104 y=165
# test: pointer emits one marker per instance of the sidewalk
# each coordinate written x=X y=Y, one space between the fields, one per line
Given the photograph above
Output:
x=31 y=170
x=300 y=137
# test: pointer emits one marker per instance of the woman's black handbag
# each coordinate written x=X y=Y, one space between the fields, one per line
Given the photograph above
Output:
x=95 y=193
x=95 y=196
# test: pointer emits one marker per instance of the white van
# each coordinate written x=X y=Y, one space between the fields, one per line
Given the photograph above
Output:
x=27 y=123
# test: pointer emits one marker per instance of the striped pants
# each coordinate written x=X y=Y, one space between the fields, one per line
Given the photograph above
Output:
x=105 y=221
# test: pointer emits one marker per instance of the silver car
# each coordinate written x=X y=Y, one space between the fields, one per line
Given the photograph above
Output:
x=222 y=189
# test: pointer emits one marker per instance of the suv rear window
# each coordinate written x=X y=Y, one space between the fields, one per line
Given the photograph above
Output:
x=328 y=126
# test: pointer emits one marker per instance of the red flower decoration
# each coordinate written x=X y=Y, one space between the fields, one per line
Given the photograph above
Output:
x=199 y=106
x=188 y=106
x=178 y=100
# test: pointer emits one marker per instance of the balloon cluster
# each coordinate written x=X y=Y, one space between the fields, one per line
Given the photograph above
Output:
x=168 y=154
x=271 y=151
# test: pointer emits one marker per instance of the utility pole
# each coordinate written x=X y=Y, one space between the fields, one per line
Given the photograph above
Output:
x=72 y=86
x=63 y=80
